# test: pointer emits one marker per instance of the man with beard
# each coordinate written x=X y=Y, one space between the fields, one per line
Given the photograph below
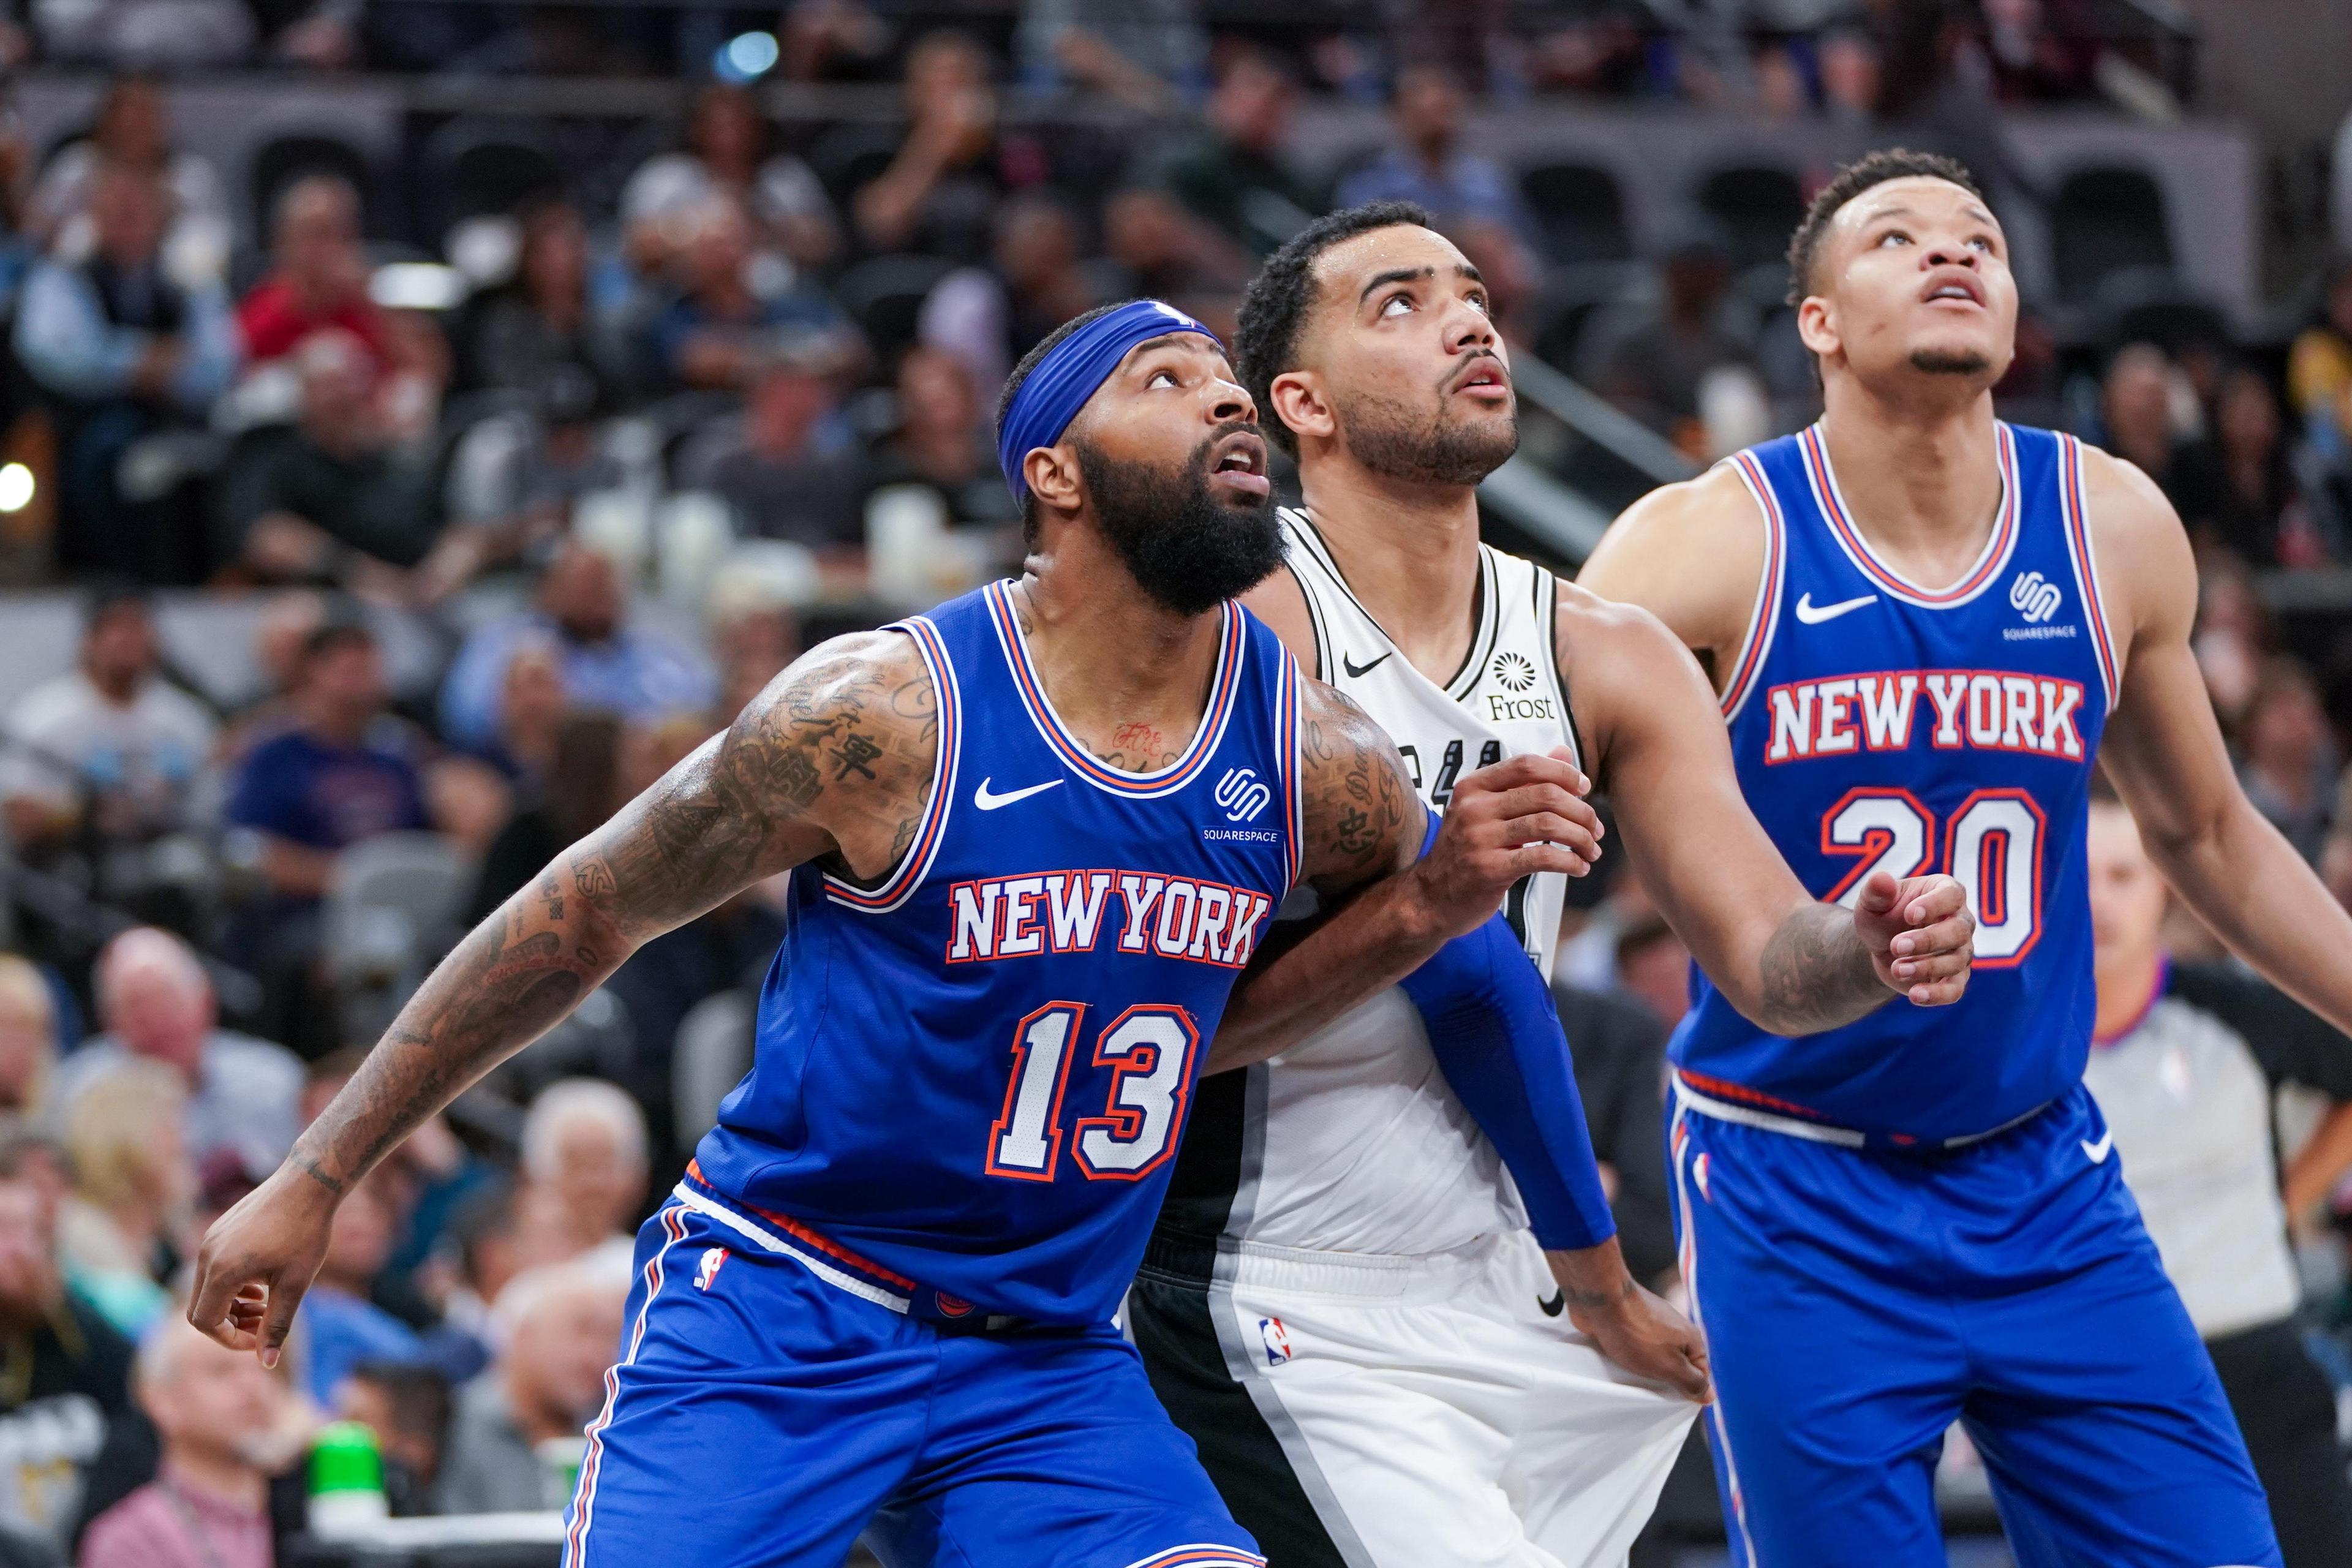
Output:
x=1922 y=624
x=1344 y=1303
x=1034 y=838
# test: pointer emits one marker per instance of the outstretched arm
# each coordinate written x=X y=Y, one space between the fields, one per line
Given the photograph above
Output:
x=1793 y=964
x=834 y=758
x=2164 y=753
x=1365 y=830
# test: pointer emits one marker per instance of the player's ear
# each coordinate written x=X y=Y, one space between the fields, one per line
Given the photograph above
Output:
x=1817 y=325
x=1301 y=402
x=1052 y=476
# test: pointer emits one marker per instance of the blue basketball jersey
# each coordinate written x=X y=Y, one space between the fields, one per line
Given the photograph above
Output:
x=1877 y=725
x=970 y=1078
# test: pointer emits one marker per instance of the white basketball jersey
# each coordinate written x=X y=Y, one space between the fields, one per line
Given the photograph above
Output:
x=1352 y=1141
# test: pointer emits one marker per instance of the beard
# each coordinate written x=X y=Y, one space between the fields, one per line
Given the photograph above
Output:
x=1949 y=361
x=1392 y=439
x=1187 y=551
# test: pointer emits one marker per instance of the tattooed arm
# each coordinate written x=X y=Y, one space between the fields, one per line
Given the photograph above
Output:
x=1393 y=907
x=832 y=761
x=1792 y=964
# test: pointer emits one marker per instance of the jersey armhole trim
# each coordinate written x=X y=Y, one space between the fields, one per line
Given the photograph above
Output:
x=1764 y=617
x=932 y=826
x=1547 y=620
x=1288 y=723
x=2073 y=498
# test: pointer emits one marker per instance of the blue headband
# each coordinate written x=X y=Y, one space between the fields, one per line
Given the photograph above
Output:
x=1072 y=373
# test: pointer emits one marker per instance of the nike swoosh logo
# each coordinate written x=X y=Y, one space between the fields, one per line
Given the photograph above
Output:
x=987 y=802
x=1814 y=617
x=1556 y=1306
x=2099 y=1150
x=1355 y=669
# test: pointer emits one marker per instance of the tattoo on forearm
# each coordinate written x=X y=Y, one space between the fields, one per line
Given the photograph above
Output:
x=1358 y=804
x=734 y=812
x=1815 y=971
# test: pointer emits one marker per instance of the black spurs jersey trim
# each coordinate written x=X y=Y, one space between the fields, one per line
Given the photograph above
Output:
x=1485 y=618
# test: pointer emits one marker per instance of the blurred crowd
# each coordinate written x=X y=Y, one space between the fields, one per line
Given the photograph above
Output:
x=481 y=538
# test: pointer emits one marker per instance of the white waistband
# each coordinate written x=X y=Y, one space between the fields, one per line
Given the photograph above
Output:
x=1368 y=1276
x=1843 y=1137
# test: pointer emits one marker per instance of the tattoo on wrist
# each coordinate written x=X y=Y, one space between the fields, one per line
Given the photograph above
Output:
x=318 y=1174
x=1594 y=1301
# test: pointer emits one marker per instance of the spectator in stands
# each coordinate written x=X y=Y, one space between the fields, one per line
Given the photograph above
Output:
x=1427 y=166
x=541 y=327
x=318 y=277
x=125 y=1227
x=338 y=1326
x=1168 y=254
x=2232 y=636
x=2187 y=1061
x=584 y=1141
x=941 y=441
x=515 y=477
x=331 y=498
x=940 y=191
x=988 y=317
x=575 y=794
x=608 y=663
x=133 y=132
x=1619 y=1050
x=717 y=333
x=68 y=1387
x=408 y=1409
x=343 y=772
x=789 y=464
x=1656 y=367
x=556 y=1327
x=531 y=707
x=139 y=34
x=213 y=1409
x=156 y=1004
x=110 y=751
x=2136 y=402
x=2257 y=512
x=2290 y=761
x=1233 y=173
x=726 y=154
x=29 y=1042
x=753 y=635
x=126 y=352
x=2319 y=366
x=1652 y=966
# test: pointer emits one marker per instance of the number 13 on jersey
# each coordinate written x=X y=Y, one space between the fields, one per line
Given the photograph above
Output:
x=1149 y=1052
x=1991 y=846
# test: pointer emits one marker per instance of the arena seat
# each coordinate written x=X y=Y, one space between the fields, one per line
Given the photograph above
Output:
x=712 y=1053
x=1580 y=212
x=2105 y=220
x=1754 y=209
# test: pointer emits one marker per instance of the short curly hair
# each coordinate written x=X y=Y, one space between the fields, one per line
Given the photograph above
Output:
x=1274 y=310
x=1874 y=169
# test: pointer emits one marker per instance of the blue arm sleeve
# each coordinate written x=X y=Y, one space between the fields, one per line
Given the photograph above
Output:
x=1496 y=1037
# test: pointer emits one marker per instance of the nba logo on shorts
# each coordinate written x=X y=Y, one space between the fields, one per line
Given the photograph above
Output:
x=1277 y=1341
x=707 y=1270
x=1698 y=1174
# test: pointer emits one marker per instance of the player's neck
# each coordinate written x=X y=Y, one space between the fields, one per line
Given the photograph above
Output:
x=1128 y=675
x=1921 y=479
x=1408 y=552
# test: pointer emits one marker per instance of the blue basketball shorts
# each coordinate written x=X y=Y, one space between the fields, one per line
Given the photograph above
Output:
x=1857 y=1303
x=766 y=1411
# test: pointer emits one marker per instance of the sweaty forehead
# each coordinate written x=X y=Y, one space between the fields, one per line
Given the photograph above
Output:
x=1341 y=271
x=1923 y=195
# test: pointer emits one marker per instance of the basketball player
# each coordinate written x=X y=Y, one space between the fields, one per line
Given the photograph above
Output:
x=1344 y=1303
x=1922 y=623
x=1033 y=838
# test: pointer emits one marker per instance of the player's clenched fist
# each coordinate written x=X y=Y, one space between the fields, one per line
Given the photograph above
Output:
x=1919 y=932
x=1525 y=814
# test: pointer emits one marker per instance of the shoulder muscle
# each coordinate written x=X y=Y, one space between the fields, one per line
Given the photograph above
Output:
x=1691 y=554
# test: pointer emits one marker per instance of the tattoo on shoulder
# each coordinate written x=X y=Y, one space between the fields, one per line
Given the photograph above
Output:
x=1358 y=805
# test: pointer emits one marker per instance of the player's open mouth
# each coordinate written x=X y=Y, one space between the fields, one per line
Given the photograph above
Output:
x=1485 y=378
x=1961 y=286
x=1237 y=464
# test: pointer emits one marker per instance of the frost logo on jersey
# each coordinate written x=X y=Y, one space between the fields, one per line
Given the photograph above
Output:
x=1277 y=1341
x=1243 y=794
x=2035 y=596
x=713 y=1258
x=1515 y=671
